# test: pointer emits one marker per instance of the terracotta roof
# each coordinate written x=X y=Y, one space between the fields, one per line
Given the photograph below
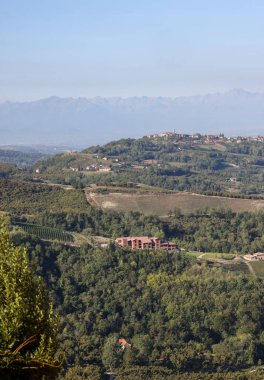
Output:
x=122 y=342
x=144 y=239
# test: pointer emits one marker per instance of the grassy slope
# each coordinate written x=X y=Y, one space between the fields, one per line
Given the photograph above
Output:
x=162 y=203
x=258 y=268
x=27 y=197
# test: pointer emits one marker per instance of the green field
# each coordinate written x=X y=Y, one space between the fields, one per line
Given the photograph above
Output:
x=194 y=254
x=258 y=268
x=160 y=203
x=236 y=267
x=215 y=255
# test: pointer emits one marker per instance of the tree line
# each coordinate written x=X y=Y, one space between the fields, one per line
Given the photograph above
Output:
x=177 y=316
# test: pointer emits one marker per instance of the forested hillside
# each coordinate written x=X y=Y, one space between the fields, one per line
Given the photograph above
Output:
x=20 y=158
x=178 y=316
x=194 y=313
x=230 y=168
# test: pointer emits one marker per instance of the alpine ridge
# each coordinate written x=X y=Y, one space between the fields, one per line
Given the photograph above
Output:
x=84 y=122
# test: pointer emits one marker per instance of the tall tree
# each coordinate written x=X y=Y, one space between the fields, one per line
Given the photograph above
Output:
x=28 y=326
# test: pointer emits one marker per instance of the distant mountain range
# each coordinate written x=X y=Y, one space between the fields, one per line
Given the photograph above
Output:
x=84 y=122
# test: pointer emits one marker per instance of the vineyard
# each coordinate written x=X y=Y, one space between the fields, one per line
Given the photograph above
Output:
x=46 y=233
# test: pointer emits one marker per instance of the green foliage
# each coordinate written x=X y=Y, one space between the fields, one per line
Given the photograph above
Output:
x=21 y=159
x=219 y=231
x=27 y=197
x=111 y=353
x=28 y=325
x=183 y=321
x=235 y=351
x=258 y=268
x=6 y=170
x=90 y=372
x=166 y=164
x=174 y=314
x=213 y=230
x=46 y=233
x=158 y=373
x=195 y=168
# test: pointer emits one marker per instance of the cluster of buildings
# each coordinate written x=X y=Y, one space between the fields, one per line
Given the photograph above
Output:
x=144 y=242
x=197 y=138
x=91 y=167
x=100 y=165
x=253 y=138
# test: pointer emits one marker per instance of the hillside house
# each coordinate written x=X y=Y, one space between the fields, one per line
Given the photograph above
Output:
x=144 y=242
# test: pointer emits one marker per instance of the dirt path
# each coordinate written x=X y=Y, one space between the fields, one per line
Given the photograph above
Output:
x=228 y=262
x=251 y=271
x=91 y=200
x=48 y=183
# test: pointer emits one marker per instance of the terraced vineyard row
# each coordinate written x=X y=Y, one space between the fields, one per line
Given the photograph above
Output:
x=46 y=233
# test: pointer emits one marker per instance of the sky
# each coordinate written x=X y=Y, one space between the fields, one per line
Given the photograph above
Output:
x=87 y=48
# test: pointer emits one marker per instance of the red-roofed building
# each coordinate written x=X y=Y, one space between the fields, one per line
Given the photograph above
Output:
x=144 y=242
x=123 y=343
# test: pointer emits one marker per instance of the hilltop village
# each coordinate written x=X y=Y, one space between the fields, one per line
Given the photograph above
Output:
x=116 y=155
x=198 y=138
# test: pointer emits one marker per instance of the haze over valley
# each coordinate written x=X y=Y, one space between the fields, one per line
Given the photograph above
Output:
x=83 y=122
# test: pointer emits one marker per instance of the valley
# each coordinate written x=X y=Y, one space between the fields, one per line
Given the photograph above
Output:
x=131 y=190
x=68 y=209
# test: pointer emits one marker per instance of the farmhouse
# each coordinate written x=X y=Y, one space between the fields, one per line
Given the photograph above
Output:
x=259 y=256
x=144 y=242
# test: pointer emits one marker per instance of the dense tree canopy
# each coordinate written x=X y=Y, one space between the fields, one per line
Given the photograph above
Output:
x=174 y=313
x=211 y=230
x=182 y=318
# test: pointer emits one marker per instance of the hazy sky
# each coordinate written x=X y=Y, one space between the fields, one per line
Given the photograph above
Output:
x=129 y=47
